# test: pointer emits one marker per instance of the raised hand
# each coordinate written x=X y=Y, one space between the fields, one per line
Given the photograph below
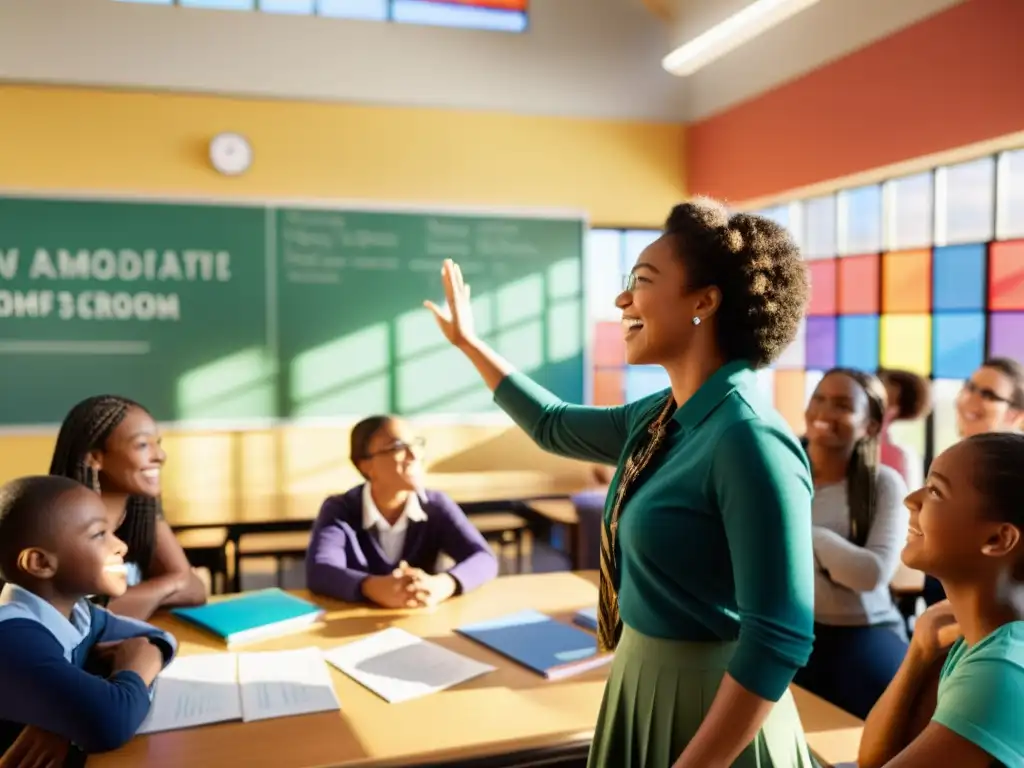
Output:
x=456 y=319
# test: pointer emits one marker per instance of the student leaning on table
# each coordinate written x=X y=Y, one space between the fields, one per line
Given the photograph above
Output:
x=381 y=540
x=712 y=565
x=958 y=698
x=72 y=675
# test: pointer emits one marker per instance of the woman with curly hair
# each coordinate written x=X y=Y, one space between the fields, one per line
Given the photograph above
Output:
x=706 y=586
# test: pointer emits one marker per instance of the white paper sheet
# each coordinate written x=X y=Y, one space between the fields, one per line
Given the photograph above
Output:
x=195 y=690
x=399 y=666
x=284 y=683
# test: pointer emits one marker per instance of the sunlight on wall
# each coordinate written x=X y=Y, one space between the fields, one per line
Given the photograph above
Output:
x=199 y=465
x=522 y=344
x=348 y=375
x=565 y=330
x=436 y=381
x=234 y=386
x=522 y=299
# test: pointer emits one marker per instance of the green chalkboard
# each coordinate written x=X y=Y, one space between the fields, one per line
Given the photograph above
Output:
x=218 y=313
x=165 y=304
x=355 y=339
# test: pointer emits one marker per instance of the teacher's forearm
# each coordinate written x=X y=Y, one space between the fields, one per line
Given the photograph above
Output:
x=491 y=366
x=732 y=722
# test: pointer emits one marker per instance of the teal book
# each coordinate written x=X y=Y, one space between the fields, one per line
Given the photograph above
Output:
x=550 y=648
x=252 y=616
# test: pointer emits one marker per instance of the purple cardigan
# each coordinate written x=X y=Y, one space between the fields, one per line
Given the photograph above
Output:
x=342 y=553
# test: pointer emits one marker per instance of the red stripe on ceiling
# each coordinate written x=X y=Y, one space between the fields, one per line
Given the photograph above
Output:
x=951 y=80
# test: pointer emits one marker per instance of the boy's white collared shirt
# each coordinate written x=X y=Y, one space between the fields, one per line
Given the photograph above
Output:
x=391 y=537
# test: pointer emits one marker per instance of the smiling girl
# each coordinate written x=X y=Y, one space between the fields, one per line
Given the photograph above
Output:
x=860 y=524
x=964 y=708
x=112 y=445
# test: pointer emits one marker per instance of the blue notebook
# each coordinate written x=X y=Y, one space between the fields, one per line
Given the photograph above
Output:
x=253 y=616
x=538 y=642
x=586 y=618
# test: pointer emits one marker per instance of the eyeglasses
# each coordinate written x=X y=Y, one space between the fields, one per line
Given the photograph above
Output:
x=984 y=393
x=416 y=445
x=629 y=281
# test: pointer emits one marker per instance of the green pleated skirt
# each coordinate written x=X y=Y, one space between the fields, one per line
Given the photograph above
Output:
x=657 y=695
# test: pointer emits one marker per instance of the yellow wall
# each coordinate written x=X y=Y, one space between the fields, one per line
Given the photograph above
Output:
x=621 y=173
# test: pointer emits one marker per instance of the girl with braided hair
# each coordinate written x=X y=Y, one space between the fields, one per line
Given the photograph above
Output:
x=112 y=445
x=860 y=525
x=706 y=570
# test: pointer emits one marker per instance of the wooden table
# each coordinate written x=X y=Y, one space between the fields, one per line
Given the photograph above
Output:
x=510 y=717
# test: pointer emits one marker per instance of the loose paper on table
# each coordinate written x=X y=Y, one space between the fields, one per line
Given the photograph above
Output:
x=195 y=690
x=284 y=683
x=398 y=666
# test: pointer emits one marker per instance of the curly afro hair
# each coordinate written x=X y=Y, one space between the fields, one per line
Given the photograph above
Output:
x=913 y=393
x=755 y=264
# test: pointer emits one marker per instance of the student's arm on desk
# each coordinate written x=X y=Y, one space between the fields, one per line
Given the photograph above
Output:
x=327 y=570
x=762 y=485
x=475 y=563
x=170 y=580
x=117 y=628
x=903 y=712
x=43 y=689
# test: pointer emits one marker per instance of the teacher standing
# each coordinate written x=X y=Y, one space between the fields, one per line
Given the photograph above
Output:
x=707 y=580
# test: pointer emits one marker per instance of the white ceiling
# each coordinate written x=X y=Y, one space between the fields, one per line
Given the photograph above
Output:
x=585 y=58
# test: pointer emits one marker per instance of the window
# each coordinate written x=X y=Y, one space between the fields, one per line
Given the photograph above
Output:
x=923 y=272
x=296 y=7
x=499 y=15
x=820 y=228
x=859 y=220
x=965 y=202
x=1010 y=202
x=908 y=212
x=610 y=255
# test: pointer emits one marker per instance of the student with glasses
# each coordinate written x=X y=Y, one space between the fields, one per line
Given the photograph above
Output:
x=991 y=400
x=382 y=540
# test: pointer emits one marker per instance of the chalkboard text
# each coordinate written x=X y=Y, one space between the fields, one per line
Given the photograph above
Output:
x=191 y=265
x=90 y=305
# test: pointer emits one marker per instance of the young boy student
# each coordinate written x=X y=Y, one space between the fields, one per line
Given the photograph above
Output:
x=56 y=549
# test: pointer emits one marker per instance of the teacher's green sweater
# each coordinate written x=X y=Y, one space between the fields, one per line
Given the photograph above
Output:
x=714 y=542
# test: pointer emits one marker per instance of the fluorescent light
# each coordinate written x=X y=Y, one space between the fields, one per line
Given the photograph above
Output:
x=756 y=19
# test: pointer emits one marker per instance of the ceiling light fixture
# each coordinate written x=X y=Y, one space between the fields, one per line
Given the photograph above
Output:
x=756 y=19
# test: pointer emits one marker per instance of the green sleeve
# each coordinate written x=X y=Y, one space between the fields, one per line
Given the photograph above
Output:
x=577 y=431
x=762 y=484
x=980 y=702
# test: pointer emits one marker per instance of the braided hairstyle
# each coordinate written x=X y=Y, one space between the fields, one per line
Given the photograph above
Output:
x=862 y=471
x=755 y=264
x=86 y=428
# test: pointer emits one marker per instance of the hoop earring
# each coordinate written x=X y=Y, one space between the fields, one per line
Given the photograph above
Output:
x=696 y=320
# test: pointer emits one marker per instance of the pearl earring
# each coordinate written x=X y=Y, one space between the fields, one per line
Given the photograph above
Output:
x=696 y=320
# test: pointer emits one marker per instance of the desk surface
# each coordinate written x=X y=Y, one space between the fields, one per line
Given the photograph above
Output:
x=511 y=708
x=465 y=488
